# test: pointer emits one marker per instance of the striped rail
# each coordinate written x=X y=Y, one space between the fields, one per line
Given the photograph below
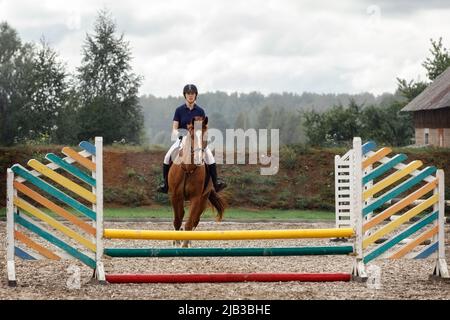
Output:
x=54 y=210
x=376 y=179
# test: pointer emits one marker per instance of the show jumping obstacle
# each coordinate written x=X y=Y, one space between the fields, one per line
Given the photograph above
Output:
x=32 y=234
x=367 y=182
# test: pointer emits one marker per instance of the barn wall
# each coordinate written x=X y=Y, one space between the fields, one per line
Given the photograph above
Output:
x=433 y=137
x=446 y=138
x=420 y=136
x=433 y=119
x=437 y=123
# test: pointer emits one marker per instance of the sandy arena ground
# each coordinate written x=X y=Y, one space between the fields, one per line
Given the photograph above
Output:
x=402 y=279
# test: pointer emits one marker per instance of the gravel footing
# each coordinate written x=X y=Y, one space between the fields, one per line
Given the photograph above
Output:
x=400 y=279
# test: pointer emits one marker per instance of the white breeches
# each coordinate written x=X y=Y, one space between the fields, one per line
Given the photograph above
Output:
x=209 y=158
x=172 y=153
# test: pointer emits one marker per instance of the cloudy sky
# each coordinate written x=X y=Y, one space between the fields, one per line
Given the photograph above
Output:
x=253 y=45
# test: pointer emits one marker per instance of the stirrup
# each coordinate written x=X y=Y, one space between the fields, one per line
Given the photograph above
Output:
x=219 y=186
x=163 y=189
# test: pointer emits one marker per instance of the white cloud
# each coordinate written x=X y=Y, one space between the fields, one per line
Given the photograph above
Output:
x=2 y=10
x=270 y=46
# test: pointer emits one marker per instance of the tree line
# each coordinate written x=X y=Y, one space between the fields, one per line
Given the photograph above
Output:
x=284 y=111
x=40 y=102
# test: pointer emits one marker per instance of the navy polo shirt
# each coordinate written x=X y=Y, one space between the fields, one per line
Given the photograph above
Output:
x=184 y=115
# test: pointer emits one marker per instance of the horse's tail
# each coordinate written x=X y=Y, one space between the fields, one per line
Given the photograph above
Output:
x=218 y=202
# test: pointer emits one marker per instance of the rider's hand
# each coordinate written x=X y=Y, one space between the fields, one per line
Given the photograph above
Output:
x=175 y=135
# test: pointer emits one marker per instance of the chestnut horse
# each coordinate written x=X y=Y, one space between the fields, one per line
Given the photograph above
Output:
x=187 y=180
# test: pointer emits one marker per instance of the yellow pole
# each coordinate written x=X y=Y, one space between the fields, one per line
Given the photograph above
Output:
x=228 y=235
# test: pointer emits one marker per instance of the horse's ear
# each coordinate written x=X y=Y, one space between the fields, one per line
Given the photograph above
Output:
x=205 y=122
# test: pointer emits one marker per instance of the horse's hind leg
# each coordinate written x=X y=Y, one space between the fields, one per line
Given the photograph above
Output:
x=178 y=206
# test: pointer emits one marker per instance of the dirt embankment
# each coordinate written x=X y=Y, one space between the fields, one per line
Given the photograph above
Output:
x=305 y=179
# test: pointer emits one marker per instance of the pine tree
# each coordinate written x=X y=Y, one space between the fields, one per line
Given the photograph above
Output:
x=439 y=61
x=48 y=94
x=108 y=87
x=435 y=65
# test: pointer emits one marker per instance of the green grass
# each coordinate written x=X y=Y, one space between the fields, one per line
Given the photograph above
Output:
x=230 y=214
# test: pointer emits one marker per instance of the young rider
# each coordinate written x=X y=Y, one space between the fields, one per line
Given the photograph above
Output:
x=183 y=116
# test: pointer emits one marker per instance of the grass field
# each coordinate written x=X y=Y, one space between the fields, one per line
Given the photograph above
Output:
x=230 y=214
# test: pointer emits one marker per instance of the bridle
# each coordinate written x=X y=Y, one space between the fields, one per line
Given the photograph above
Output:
x=197 y=149
x=190 y=168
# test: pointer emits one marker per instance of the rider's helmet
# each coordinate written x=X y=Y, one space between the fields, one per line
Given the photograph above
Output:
x=190 y=88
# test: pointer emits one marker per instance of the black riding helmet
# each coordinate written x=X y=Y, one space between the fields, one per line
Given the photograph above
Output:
x=190 y=88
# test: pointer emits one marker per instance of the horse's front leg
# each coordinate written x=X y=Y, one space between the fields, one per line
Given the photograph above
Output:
x=201 y=208
x=195 y=210
x=178 y=208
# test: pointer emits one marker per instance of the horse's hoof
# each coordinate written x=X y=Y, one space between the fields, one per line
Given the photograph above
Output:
x=185 y=244
x=176 y=243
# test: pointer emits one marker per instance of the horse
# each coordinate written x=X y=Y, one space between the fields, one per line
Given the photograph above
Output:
x=189 y=180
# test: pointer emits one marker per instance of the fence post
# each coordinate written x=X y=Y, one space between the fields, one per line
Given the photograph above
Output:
x=100 y=271
x=359 y=270
x=12 y=282
x=441 y=269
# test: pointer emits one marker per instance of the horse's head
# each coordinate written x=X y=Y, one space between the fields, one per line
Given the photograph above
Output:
x=198 y=122
x=197 y=130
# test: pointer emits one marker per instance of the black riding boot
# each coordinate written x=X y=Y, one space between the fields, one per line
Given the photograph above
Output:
x=219 y=185
x=164 y=188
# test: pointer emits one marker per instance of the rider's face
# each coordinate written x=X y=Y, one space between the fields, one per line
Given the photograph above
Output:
x=190 y=97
